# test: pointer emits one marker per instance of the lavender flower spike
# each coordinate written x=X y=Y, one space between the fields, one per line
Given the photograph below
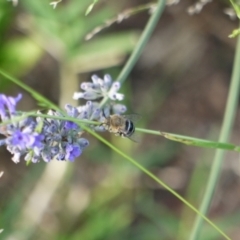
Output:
x=46 y=139
x=41 y=139
x=8 y=105
x=100 y=88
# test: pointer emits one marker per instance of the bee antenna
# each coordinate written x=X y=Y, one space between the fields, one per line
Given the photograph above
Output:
x=104 y=113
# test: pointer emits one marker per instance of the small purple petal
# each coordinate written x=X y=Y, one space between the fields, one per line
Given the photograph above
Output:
x=119 y=108
x=54 y=150
x=107 y=80
x=86 y=85
x=46 y=156
x=116 y=86
x=90 y=95
x=61 y=156
x=71 y=111
x=70 y=125
x=51 y=129
x=35 y=159
x=115 y=96
x=38 y=141
x=94 y=78
x=72 y=152
x=83 y=142
x=8 y=104
x=96 y=113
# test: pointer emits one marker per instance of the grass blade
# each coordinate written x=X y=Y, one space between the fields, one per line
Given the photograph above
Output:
x=147 y=32
x=42 y=101
x=229 y=116
x=152 y=176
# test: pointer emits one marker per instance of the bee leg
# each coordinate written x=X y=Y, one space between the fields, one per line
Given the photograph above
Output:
x=122 y=135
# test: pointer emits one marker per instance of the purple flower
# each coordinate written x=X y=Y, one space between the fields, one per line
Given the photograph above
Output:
x=100 y=88
x=45 y=139
x=54 y=139
x=119 y=109
x=38 y=141
x=72 y=151
x=70 y=125
x=21 y=140
x=62 y=138
x=8 y=105
x=20 y=137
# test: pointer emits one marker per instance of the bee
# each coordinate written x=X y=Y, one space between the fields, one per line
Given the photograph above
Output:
x=121 y=125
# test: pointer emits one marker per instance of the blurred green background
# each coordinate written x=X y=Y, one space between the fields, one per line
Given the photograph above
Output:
x=179 y=85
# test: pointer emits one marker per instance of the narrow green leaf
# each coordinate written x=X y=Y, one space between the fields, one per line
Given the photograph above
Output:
x=146 y=34
x=227 y=126
x=134 y=162
x=29 y=158
x=198 y=142
x=234 y=33
x=236 y=6
x=41 y=99
x=90 y=7
x=143 y=169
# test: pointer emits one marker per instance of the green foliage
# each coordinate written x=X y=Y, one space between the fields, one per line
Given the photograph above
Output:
x=6 y=17
x=113 y=208
x=19 y=55
x=236 y=6
x=90 y=7
x=234 y=33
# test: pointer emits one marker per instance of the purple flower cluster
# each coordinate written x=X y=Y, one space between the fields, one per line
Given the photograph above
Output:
x=45 y=139
x=19 y=136
x=99 y=89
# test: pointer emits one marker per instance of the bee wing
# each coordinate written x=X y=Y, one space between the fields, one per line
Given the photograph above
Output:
x=135 y=138
x=133 y=117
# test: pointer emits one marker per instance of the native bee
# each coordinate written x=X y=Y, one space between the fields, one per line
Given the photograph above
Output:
x=122 y=125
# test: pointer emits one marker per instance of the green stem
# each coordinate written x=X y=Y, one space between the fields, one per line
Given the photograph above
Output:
x=190 y=141
x=173 y=137
x=30 y=90
x=142 y=41
x=229 y=116
x=146 y=34
x=46 y=116
x=143 y=169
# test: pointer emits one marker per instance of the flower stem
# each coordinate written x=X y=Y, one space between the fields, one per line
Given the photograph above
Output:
x=146 y=34
x=156 y=179
x=229 y=116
